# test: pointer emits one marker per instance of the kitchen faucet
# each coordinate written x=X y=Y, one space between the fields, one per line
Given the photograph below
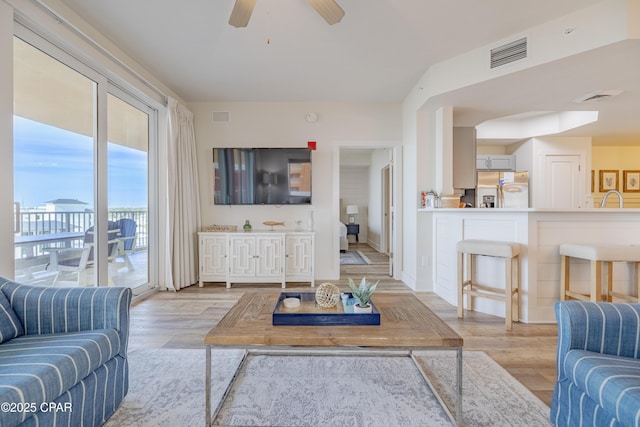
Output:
x=606 y=196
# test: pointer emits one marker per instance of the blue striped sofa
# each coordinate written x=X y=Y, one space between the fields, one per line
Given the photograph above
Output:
x=63 y=354
x=598 y=366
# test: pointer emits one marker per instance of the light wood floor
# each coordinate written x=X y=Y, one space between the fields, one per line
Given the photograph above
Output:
x=182 y=319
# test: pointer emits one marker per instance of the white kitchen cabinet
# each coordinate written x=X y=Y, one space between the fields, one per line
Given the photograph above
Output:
x=257 y=257
x=213 y=257
x=503 y=162
x=299 y=257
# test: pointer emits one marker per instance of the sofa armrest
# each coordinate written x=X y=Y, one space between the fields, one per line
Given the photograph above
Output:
x=57 y=310
x=607 y=328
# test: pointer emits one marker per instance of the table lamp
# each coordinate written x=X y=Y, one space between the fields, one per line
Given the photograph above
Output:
x=352 y=210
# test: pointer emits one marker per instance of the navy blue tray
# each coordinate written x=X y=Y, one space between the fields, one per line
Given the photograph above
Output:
x=309 y=314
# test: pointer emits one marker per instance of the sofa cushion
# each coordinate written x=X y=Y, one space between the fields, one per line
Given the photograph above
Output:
x=39 y=368
x=612 y=381
x=10 y=325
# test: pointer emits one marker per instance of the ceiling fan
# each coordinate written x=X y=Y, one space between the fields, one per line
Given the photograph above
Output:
x=328 y=9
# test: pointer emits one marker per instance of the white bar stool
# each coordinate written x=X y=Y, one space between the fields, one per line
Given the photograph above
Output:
x=467 y=251
x=598 y=256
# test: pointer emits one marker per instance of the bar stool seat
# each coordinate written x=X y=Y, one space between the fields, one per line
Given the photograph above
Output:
x=598 y=256
x=468 y=250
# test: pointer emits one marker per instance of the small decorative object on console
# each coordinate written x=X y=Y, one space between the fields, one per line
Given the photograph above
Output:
x=327 y=295
x=273 y=224
x=363 y=294
x=220 y=227
x=246 y=226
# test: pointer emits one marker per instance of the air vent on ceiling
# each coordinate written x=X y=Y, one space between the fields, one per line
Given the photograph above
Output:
x=509 y=53
x=220 y=116
x=597 y=95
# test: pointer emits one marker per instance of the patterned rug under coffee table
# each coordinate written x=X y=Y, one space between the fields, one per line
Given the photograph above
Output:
x=166 y=388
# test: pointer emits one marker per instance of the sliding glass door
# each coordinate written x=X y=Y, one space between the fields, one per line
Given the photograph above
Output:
x=128 y=170
x=81 y=173
x=54 y=138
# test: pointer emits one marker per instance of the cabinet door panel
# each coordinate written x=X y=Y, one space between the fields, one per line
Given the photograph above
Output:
x=482 y=162
x=562 y=182
x=214 y=254
x=269 y=261
x=242 y=261
x=299 y=253
x=501 y=162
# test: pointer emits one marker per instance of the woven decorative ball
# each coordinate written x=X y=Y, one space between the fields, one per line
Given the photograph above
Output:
x=327 y=295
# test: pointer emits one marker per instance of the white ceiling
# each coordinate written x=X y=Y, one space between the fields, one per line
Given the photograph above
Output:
x=376 y=54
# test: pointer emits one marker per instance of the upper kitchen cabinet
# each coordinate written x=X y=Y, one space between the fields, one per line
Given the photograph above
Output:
x=464 y=157
x=502 y=162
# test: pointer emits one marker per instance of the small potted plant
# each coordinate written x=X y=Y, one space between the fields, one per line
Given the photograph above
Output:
x=363 y=294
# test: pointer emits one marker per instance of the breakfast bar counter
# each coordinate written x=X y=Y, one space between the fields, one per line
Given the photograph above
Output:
x=540 y=232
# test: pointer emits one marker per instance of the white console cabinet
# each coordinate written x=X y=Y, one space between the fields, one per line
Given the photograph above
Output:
x=256 y=257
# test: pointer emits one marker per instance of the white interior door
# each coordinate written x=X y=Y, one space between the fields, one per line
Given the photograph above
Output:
x=562 y=181
x=387 y=214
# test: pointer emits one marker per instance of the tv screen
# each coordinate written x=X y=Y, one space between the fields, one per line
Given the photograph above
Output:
x=262 y=176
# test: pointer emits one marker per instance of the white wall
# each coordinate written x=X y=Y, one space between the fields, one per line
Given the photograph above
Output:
x=258 y=124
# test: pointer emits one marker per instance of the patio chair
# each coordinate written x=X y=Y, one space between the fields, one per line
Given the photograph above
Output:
x=77 y=260
x=127 y=242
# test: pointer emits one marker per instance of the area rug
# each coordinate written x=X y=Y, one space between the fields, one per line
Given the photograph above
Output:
x=167 y=389
x=353 y=258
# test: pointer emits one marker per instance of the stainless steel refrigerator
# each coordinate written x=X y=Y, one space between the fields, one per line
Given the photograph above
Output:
x=502 y=189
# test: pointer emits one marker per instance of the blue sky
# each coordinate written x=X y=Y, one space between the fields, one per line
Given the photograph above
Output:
x=52 y=163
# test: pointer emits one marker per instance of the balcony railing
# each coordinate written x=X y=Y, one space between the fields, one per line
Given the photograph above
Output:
x=41 y=223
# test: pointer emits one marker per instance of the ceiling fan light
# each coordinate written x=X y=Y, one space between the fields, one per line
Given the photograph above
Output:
x=241 y=13
x=328 y=9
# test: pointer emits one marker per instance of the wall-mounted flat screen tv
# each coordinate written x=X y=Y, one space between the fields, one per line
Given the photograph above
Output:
x=262 y=176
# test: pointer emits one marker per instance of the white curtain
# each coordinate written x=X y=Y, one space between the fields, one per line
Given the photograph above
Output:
x=184 y=197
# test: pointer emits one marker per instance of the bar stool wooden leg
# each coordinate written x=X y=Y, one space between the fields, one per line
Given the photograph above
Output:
x=471 y=265
x=609 y=295
x=596 y=281
x=508 y=315
x=516 y=291
x=460 y=285
x=636 y=277
x=565 y=273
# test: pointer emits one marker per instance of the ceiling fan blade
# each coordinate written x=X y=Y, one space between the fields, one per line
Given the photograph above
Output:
x=328 y=9
x=241 y=13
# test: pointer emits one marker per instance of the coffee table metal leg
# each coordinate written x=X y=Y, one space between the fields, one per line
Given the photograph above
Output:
x=207 y=385
x=459 y=386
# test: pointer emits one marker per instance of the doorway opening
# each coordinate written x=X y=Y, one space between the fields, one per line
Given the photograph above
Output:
x=366 y=211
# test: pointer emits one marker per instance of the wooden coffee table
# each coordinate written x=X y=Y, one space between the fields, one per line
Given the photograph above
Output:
x=406 y=325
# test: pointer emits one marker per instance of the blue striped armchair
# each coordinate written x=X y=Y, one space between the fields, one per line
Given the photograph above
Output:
x=598 y=366
x=63 y=354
